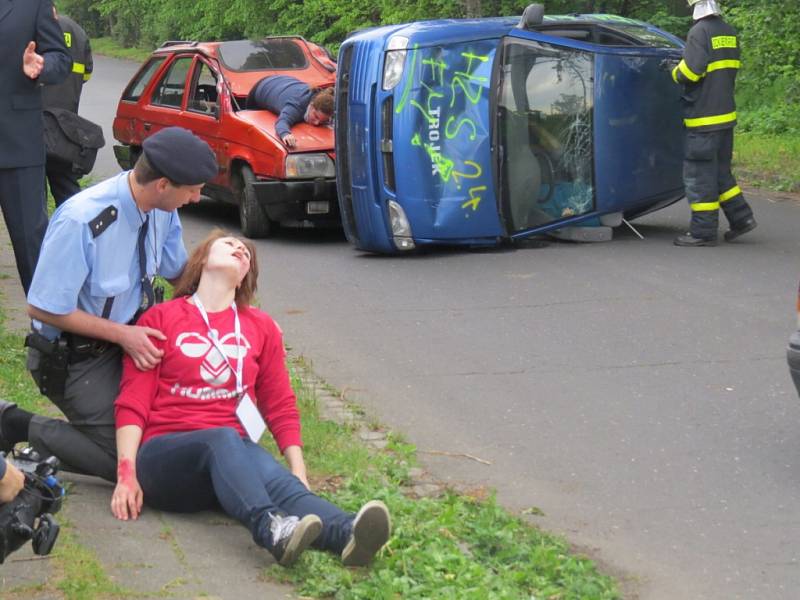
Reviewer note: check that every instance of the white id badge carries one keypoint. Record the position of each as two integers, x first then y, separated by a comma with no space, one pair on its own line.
250,418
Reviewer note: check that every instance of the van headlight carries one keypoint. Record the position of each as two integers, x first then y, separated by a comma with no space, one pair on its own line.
308,166
401,229
394,61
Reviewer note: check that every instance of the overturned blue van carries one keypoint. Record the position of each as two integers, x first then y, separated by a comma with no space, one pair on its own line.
478,131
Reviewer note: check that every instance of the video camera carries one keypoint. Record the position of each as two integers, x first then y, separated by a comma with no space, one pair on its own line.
29,516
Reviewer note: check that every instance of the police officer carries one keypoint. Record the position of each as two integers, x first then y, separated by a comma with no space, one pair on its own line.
708,74
33,53
100,254
67,95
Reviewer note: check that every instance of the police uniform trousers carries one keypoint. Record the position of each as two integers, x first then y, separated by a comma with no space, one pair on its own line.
22,200
87,442
710,184
62,179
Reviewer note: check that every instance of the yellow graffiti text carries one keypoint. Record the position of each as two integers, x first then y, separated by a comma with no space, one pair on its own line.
474,197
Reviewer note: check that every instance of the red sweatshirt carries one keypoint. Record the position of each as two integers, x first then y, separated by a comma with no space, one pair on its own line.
193,388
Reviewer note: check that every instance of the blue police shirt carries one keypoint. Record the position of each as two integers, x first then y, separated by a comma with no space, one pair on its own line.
79,271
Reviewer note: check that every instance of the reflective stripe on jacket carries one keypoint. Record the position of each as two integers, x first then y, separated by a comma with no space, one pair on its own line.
67,95
707,71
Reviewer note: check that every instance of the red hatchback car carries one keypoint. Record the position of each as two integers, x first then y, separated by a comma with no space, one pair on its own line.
203,87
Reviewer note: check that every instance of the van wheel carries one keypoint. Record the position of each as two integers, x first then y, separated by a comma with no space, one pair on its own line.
253,218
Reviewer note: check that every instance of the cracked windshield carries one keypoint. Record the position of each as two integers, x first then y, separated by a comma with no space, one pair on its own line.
545,130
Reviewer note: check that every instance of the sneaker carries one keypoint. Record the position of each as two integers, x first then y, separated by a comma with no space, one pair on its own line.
748,225
371,530
690,241
291,536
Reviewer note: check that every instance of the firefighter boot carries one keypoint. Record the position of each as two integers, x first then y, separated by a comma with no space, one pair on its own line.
688,239
748,225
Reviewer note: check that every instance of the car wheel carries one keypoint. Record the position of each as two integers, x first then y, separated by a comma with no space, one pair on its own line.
252,216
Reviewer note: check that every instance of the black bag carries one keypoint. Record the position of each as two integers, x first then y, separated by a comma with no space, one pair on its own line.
72,139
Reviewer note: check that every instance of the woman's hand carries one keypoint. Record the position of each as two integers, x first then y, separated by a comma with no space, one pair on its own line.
126,502
301,475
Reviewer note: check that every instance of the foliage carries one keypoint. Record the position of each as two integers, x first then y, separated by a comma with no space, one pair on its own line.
770,38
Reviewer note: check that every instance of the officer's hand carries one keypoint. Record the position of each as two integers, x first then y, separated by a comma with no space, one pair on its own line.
290,140
137,344
11,483
32,63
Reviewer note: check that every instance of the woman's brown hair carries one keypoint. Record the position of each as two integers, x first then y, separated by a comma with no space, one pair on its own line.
323,101
190,279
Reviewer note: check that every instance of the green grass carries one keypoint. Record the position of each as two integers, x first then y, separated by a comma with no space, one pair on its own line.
107,46
770,161
81,573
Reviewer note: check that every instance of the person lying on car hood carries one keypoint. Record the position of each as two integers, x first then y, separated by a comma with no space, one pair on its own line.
293,101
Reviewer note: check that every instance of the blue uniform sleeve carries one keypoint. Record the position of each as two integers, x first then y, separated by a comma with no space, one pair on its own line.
173,252
63,266
50,44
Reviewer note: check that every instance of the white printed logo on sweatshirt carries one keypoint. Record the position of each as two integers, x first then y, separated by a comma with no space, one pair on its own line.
214,368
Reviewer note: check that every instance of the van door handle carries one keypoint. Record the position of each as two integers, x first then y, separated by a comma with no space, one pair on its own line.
147,126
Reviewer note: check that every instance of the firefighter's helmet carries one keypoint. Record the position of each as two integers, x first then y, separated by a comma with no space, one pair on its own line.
704,8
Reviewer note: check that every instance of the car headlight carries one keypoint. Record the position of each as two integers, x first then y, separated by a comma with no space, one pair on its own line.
308,166
395,61
401,228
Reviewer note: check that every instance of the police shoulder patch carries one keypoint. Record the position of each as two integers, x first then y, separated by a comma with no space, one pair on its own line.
102,221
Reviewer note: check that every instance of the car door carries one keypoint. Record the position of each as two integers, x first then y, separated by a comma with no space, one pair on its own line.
167,106
204,111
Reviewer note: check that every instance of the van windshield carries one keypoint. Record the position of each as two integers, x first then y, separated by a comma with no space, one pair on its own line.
544,128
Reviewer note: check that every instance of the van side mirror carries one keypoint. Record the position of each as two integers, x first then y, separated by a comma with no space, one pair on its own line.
532,17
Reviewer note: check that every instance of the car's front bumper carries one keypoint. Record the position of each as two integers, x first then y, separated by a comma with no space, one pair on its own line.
313,201
793,358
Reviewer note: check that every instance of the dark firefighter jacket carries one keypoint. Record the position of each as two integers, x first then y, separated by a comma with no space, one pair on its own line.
67,94
708,72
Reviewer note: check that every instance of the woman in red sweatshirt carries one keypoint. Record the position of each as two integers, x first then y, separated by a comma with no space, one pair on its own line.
184,428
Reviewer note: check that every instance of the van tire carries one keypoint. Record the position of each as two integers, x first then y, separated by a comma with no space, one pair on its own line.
253,218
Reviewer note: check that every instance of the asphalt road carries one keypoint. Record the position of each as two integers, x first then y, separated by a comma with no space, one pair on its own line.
635,392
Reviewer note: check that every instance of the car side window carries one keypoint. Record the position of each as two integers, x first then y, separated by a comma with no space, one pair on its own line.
203,96
136,87
169,91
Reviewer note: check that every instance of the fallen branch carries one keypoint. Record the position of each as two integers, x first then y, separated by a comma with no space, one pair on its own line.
456,455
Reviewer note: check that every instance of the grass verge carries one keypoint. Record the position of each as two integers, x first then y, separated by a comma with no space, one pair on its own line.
459,546
770,161
107,46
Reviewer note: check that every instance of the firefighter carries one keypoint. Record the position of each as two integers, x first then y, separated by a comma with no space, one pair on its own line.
67,95
707,72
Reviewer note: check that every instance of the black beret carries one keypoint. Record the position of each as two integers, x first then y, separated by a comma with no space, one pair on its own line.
180,156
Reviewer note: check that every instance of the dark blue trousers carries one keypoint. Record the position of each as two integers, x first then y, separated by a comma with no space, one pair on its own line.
22,200
213,468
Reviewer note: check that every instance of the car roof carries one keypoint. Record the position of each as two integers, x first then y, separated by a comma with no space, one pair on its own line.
313,72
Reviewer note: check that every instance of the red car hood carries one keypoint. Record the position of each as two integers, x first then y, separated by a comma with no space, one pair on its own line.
309,137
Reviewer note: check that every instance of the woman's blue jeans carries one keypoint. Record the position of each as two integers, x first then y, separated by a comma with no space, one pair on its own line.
212,468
